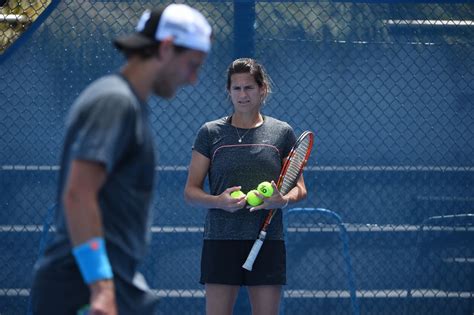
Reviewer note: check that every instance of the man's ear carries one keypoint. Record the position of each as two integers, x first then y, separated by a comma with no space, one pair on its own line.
165,48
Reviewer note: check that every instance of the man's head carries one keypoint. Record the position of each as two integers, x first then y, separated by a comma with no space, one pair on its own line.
186,26
173,42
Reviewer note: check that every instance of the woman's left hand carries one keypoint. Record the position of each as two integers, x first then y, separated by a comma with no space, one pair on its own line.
277,200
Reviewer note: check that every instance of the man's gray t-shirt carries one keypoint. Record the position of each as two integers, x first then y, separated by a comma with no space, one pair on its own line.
256,159
107,124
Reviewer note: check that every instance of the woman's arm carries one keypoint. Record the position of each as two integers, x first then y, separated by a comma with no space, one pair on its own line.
195,195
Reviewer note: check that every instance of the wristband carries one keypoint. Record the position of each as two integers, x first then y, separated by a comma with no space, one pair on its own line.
92,260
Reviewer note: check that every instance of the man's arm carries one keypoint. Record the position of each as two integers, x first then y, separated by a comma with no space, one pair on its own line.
83,218
81,200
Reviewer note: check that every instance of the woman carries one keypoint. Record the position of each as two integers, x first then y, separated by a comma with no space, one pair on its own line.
237,153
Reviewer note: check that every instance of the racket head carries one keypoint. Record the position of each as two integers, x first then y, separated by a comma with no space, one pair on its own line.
295,162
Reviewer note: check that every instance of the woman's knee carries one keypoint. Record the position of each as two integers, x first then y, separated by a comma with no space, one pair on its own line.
220,298
265,299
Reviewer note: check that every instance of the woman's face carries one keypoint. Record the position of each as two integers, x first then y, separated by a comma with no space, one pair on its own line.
245,94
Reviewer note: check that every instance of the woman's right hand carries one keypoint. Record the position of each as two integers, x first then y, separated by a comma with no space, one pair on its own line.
229,203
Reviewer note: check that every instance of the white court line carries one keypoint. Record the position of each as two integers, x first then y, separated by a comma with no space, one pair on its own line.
366,228
329,168
459,260
154,229
316,294
430,22
30,168
391,168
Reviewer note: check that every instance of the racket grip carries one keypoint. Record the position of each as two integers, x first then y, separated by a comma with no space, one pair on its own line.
83,310
254,251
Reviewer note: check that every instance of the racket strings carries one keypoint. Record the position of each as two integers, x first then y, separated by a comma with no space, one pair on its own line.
296,163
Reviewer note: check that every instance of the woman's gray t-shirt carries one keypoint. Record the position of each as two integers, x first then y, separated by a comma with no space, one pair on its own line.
256,159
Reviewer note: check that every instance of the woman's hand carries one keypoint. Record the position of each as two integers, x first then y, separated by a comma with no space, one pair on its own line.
277,200
229,203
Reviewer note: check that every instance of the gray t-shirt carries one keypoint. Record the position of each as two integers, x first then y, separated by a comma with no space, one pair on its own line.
256,159
107,124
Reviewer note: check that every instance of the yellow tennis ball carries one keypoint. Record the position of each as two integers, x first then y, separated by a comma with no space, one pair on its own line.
252,198
237,194
265,188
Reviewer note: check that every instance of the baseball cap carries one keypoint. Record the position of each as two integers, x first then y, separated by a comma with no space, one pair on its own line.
187,26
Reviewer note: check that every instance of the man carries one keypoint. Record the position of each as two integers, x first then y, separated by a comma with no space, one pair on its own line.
107,171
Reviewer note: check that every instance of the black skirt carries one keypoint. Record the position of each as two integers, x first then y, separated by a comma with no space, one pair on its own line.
222,260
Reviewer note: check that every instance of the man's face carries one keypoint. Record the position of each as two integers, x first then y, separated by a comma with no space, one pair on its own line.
178,70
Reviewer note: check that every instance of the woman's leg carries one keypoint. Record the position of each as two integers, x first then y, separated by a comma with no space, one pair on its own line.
220,298
265,299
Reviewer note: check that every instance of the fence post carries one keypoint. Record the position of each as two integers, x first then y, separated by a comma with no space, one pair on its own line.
244,30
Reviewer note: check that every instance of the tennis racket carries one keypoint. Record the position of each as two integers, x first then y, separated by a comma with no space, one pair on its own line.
289,175
84,310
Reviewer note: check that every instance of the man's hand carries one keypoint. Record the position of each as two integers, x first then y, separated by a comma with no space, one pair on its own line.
103,298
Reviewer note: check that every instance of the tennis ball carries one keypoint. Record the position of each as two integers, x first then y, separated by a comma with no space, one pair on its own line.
265,188
237,194
252,198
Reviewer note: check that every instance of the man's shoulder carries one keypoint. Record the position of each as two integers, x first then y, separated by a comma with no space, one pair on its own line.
108,89
108,84
108,95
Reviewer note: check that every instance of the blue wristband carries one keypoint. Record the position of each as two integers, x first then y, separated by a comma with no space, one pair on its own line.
92,260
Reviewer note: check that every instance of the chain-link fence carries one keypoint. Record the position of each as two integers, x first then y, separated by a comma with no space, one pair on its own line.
386,87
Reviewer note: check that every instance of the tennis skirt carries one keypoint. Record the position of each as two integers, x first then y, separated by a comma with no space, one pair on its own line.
222,260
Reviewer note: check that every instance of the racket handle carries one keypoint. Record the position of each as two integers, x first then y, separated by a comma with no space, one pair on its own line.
83,310
254,251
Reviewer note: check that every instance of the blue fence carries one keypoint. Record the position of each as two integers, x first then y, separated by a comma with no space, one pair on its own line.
387,87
